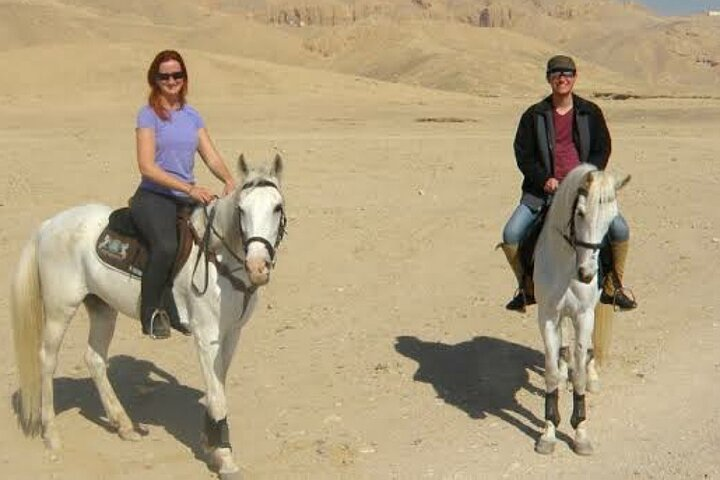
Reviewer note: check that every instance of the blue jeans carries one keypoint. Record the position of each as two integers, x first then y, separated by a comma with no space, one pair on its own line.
518,226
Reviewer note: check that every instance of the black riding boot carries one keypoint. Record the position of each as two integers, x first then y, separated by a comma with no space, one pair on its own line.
155,323
172,311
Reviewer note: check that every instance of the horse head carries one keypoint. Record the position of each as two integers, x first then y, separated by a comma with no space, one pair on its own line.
595,207
261,216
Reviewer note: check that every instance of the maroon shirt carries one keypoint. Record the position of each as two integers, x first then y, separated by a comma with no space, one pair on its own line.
566,155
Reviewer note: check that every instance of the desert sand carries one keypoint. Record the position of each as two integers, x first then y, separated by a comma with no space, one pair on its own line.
380,348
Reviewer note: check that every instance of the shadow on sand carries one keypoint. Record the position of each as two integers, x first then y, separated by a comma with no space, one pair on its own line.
481,377
150,395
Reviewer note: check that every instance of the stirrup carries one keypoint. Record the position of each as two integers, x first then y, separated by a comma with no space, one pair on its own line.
519,301
163,325
617,306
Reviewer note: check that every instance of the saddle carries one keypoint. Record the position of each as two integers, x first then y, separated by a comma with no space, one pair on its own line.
121,247
526,250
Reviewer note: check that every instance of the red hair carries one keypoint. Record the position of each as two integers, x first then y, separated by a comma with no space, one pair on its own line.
154,99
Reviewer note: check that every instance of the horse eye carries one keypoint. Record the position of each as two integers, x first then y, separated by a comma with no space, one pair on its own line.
278,208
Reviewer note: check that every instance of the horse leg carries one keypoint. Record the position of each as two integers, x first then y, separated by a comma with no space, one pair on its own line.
551,338
565,361
227,351
232,336
217,434
583,338
102,327
57,319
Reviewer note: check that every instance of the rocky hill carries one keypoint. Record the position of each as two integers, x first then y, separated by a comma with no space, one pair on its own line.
485,47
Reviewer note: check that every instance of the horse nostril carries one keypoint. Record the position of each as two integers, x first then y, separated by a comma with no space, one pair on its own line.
584,277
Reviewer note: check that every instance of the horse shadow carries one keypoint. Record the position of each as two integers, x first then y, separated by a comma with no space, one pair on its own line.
149,394
480,377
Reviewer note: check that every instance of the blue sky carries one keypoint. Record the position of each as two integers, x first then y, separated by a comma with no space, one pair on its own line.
681,7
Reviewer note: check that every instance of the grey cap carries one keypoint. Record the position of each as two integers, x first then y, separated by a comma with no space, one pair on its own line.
560,63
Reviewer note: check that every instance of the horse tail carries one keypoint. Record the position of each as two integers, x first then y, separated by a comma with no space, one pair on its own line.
602,333
28,322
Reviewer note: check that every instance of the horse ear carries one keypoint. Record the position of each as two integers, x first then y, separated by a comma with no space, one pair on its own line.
581,205
620,183
277,166
242,165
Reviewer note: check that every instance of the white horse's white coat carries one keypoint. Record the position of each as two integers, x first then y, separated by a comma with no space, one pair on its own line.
566,285
59,270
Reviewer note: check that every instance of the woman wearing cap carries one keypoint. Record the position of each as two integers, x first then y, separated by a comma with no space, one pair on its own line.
169,132
553,137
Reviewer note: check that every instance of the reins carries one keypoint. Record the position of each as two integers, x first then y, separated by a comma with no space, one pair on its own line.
281,228
210,256
571,239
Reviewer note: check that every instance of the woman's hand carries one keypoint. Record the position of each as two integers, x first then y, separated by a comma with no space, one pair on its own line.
200,194
229,187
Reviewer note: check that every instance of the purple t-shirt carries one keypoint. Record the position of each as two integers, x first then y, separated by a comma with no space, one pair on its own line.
176,141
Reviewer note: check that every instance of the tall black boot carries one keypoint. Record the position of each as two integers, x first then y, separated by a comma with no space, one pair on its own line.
168,302
154,320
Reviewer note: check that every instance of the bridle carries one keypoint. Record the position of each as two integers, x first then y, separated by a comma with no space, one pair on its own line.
281,227
571,238
210,256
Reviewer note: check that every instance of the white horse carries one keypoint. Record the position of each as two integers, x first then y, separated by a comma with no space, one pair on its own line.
59,269
566,285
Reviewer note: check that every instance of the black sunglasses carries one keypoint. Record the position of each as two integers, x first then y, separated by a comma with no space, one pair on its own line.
561,73
168,76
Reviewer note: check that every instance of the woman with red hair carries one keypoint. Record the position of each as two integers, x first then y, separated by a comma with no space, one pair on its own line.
169,132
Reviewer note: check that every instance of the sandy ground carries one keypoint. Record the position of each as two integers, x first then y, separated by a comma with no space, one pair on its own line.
381,348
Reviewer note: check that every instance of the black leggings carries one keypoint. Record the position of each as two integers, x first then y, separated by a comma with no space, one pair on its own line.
154,215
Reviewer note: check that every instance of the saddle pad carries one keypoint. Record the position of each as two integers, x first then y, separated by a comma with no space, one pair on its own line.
121,222
129,254
121,252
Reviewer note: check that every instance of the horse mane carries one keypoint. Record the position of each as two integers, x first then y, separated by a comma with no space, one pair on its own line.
599,186
259,174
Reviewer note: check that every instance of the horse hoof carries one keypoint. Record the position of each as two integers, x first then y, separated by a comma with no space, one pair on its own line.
544,446
584,448
222,462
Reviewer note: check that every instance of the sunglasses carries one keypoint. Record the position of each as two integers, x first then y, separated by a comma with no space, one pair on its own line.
555,74
164,77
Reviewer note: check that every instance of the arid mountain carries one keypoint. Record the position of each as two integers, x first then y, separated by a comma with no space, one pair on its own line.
484,47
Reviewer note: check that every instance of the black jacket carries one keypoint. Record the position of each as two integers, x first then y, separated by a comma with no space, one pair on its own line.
535,144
